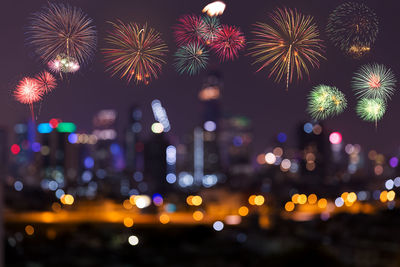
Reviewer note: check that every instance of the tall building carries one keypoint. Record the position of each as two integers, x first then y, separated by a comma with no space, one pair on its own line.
206,147
133,151
314,147
155,164
58,157
236,139
108,154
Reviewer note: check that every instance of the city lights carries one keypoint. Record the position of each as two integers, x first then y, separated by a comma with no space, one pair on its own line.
171,155
29,230
335,138
160,115
197,200
128,222
210,126
289,206
164,218
141,201
67,199
157,200
44,128
66,127
15,149
133,240
185,179
258,200
270,158
157,128
198,215
308,127
243,211
218,226
322,203
233,219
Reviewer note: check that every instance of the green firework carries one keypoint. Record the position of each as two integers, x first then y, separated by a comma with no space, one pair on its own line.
211,29
191,58
325,101
371,109
374,81
338,100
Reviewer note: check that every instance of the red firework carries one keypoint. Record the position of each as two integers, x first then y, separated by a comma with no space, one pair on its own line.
228,43
46,81
189,29
28,91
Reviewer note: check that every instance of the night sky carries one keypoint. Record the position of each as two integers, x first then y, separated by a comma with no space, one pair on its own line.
267,104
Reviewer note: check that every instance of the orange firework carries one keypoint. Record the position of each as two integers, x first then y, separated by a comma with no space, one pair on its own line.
290,45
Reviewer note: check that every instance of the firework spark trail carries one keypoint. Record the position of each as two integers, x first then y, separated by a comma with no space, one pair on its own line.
28,92
212,27
46,81
230,40
60,29
289,45
325,101
353,27
135,52
374,81
371,109
189,30
191,58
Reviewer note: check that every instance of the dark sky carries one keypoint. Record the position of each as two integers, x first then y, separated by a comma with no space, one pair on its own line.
252,94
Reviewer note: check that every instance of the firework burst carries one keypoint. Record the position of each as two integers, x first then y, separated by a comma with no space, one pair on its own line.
371,109
289,46
63,63
230,40
353,28
46,81
59,29
215,8
325,101
339,102
211,29
28,92
374,81
191,58
136,52
189,29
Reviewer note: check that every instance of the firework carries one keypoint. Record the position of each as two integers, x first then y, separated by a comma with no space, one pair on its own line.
371,109
353,28
215,8
325,101
338,100
211,29
136,52
46,81
63,63
189,29
28,92
290,45
228,43
62,30
191,58
374,81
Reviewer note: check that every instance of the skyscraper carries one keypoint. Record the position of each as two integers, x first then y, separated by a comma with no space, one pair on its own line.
209,96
